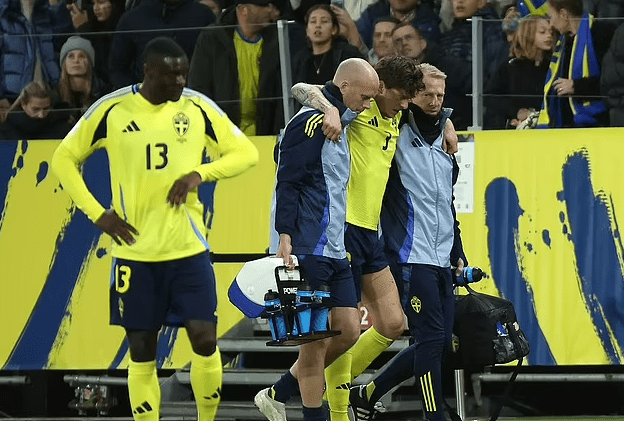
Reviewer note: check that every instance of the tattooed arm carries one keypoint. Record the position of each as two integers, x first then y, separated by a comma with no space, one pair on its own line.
311,96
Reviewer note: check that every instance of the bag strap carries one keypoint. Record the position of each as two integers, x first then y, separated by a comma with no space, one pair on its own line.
507,390
452,413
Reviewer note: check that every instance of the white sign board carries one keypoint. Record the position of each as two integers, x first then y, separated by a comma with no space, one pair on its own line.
464,188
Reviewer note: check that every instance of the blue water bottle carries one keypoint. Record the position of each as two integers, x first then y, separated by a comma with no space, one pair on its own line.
320,309
469,275
303,310
273,308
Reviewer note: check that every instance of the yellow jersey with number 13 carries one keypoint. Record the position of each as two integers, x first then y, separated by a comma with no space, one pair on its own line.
149,147
372,140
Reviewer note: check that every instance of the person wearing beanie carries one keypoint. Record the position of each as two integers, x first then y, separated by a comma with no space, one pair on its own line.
78,86
77,43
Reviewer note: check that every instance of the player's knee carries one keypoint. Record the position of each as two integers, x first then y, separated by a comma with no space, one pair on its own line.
391,325
203,343
204,346
348,336
142,345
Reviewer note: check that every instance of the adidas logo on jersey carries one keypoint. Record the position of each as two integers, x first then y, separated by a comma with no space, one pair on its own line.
374,122
131,127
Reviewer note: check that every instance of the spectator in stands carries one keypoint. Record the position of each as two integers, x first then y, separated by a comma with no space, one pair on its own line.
606,9
612,78
30,116
511,21
415,11
518,85
213,5
409,42
237,65
79,87
103,20
27,49
458,43
355,8
173,17
382,39
573,80
318,63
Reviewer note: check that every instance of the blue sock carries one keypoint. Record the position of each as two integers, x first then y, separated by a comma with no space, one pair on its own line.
314,414
284,388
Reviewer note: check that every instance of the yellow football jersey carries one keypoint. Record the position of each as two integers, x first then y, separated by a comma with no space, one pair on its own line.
149,147
372,139
248,55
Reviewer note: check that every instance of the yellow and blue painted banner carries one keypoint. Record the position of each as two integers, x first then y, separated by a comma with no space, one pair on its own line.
55,264
544,227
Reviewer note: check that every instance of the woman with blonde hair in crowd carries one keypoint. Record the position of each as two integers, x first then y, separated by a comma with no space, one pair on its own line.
517,87
31,116
78,87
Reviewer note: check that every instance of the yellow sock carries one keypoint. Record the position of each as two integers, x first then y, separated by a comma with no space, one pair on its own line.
206,378
370,388
338,380
369,346
144,391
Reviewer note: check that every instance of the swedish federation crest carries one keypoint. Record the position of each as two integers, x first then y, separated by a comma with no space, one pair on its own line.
416,304
181,125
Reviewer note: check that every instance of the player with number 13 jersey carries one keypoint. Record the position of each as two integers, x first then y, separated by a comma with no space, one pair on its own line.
150,146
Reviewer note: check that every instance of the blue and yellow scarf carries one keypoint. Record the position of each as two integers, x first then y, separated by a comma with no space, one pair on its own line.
583,63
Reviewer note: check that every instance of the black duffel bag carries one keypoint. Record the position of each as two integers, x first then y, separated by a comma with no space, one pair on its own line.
486,331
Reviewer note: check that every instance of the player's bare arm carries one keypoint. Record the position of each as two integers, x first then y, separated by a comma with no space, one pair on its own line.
311,96
179,190
116,227
450,138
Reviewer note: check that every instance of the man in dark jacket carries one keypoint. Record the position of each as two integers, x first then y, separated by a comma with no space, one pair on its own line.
419,13
172,16
612,78
409,42
237,65
457,43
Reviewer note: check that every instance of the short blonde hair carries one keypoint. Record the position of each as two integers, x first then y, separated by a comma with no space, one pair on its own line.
431,70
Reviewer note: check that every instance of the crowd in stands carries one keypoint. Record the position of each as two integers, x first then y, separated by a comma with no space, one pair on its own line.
555,63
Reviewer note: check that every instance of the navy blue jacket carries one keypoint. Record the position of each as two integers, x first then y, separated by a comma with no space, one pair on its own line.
425,20
126,56
312,176
21,39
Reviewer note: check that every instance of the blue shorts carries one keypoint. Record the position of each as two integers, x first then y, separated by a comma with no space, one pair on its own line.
147,295
366,248
335,273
